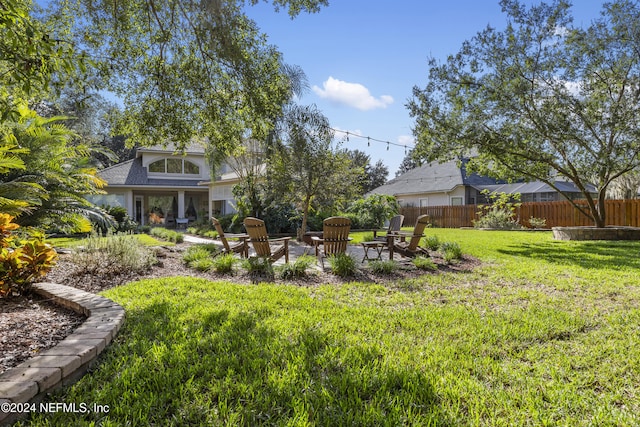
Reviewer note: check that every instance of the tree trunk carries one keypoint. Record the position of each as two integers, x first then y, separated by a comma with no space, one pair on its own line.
305,214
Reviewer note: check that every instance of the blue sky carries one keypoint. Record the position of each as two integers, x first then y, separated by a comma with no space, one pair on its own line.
363,57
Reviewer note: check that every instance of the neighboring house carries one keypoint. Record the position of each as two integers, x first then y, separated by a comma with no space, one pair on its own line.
161,187
448,184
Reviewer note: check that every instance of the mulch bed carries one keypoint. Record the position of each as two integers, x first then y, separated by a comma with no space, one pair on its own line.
30,324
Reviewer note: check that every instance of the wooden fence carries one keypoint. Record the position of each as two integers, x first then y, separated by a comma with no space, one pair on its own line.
557,214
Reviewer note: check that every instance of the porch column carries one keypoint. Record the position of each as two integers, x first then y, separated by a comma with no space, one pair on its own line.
128,202
210,199
181,204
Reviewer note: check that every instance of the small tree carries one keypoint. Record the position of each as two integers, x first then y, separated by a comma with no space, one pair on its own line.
375,209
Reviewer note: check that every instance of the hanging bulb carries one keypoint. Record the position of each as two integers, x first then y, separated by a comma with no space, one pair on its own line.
347,136
387,145
368,142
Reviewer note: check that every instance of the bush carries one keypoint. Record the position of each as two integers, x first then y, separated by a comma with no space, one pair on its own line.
499,214
383,267
537,222
431,242
343,265
202,264
450,251
22,260
424,263
194,253
168,235
374,210
113,255
298,268
356,220
124,223
258,268
281,219
224,263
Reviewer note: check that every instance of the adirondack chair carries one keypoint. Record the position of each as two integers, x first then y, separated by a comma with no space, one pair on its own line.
239,247
397,242
335,236
273,249
394,227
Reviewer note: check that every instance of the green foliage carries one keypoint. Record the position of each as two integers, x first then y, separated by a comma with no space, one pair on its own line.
343,265
499,214
431,242
166,234
537,222
259,268
202,264
424,263
113,254
23,259
383,267
54,177
451,251
532,100
374,210
224,263
296,269
124,223
195,252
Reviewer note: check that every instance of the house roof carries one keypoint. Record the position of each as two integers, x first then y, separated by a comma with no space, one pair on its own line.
433,178
132,173
535,187
193,148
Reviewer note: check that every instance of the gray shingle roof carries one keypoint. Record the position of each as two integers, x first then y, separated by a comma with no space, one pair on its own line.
433,178
132,173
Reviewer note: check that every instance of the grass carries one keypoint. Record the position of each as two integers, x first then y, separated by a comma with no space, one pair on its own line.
72,242
545,333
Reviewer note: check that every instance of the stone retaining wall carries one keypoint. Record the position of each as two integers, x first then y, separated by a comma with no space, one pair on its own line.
68,361
594,233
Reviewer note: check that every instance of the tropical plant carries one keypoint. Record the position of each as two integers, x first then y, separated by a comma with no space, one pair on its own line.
224,263
259,268
298,268
23,259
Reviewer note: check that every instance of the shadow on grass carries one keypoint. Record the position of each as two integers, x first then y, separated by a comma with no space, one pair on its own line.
237,368
589,254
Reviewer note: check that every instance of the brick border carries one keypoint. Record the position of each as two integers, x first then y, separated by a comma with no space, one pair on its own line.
69,360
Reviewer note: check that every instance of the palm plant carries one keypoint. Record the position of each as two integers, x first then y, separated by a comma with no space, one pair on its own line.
47,178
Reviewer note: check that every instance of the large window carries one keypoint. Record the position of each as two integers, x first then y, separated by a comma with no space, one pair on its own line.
174,166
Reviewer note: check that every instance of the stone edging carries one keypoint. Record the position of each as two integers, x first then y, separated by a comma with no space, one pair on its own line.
68,361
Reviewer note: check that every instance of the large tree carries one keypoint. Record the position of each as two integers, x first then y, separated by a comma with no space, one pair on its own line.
540,99
370,176
184,70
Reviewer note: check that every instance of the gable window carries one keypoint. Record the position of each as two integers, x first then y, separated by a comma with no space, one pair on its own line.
456,201
174,166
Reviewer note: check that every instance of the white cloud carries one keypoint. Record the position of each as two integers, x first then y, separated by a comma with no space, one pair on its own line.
407,140
351,94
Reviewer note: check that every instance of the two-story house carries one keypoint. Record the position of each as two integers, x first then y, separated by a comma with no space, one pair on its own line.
160,186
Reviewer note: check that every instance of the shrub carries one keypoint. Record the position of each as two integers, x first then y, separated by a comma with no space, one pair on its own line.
431,242
224,263
374,210
22,260
424,263
383,267
499,214
168,235
450,251
211,234
343,265
113,254
258,268
124,223
202,264
194,253
537,222
298,268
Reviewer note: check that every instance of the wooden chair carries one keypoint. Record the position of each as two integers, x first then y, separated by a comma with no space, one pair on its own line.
262,244
335,236
239,247
394,228
397,242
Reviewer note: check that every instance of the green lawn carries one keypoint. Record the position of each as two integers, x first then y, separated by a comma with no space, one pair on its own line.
545,333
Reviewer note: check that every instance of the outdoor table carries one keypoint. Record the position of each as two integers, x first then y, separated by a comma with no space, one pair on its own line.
378,246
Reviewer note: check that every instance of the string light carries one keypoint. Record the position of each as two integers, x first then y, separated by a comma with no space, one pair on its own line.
369,139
